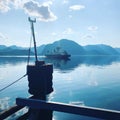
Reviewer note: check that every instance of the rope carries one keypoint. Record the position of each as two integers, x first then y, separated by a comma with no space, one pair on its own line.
12,83
28,60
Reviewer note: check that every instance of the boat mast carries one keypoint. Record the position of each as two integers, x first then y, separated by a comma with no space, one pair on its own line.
33,35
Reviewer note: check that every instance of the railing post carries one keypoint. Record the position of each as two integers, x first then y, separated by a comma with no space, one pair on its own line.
40,84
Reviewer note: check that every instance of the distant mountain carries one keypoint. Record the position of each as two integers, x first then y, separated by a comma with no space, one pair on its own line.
70,46
75,49
40,49
2,47
100,49
117,49
16,47
13,50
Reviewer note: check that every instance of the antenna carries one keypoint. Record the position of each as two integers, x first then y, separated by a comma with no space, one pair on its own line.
33,35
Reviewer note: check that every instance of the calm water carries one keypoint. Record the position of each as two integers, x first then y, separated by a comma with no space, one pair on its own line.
86,80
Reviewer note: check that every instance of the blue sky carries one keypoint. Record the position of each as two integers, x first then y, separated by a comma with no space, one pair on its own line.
84,21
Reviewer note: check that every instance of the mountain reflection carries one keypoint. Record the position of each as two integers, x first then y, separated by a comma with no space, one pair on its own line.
76,61
12,60
62,64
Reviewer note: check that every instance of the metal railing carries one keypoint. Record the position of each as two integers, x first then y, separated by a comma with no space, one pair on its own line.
61,107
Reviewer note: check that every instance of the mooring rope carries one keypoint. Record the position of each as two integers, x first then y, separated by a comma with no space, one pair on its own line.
28,60
12,83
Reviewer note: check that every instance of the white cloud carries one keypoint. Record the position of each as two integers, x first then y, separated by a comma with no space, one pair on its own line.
47,3
54,33
87,36
65,1
18,3
2,37
4,5
92,28
68,31
40,11
77,7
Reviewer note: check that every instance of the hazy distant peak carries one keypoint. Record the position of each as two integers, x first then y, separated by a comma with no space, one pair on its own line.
70,46
2,46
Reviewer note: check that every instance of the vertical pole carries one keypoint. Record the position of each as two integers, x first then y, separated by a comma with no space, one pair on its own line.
33,34
40,80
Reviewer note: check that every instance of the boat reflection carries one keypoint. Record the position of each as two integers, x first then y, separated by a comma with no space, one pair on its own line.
75,61
58,63
65,64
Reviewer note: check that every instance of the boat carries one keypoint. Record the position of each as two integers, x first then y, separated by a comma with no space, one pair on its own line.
57,53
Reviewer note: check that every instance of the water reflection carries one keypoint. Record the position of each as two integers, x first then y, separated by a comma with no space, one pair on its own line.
87,88
62,64
76,61
59,63
4,103
13,60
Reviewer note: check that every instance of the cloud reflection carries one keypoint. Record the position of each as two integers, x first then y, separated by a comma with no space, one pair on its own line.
4,103
79,103
93,83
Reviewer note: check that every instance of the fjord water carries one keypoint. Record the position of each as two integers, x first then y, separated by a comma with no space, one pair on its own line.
83,80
